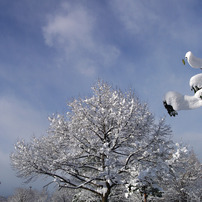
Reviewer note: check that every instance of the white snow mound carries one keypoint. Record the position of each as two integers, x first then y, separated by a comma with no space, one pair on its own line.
196,80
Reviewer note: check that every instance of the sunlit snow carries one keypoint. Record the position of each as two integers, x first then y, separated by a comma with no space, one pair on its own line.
182,102
174,101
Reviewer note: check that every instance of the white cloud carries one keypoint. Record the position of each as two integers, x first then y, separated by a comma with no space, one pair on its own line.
72,32
72,28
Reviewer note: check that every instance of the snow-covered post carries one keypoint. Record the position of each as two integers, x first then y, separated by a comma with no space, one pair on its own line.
174,101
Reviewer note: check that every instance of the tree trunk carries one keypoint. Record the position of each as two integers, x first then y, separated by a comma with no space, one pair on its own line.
145,197
106,195
105,198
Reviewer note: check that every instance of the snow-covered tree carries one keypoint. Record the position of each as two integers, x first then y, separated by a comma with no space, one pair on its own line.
85,196
185,183
23,195
3,199
63,195
182,183
147,178
98,145
28,195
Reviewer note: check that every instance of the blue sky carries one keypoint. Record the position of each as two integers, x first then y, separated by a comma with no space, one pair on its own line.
52,51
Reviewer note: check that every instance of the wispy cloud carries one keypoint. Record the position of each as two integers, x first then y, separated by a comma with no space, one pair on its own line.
153,20
71,27
137,17
72,31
